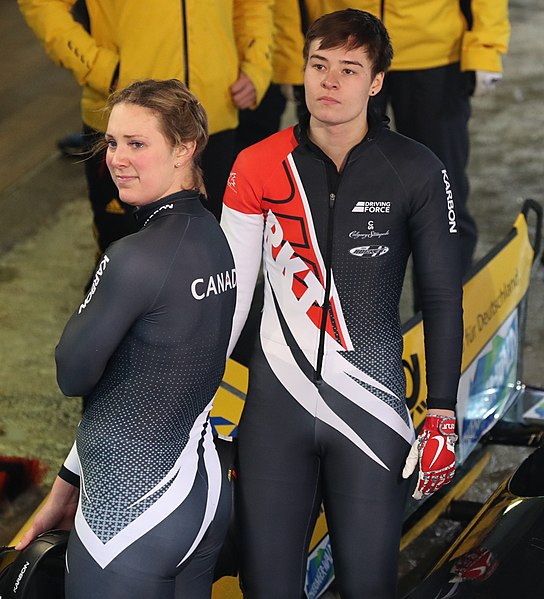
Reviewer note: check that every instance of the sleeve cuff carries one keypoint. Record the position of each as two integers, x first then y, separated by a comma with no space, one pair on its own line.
479,58
69,476
439,403
103,71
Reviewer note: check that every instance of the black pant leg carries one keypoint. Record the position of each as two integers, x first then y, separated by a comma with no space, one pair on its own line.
364,501
277,489
256,125
217,161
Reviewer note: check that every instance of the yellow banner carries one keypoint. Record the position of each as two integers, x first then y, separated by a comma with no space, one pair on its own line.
488,298
492,294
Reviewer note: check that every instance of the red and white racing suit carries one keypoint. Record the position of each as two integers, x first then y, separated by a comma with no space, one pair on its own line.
326,416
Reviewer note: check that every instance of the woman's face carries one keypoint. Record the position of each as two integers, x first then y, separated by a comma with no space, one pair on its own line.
338,83
141,161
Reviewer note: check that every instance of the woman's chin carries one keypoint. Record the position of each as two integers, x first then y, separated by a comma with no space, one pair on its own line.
127,198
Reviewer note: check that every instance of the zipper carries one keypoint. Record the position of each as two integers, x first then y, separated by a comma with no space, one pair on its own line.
333,181
326,303
185,41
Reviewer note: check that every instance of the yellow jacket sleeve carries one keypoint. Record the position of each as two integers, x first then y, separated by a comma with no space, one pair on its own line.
288,43
253,30
68,44
484,45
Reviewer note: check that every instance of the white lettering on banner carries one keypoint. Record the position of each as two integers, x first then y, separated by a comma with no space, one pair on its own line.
214,284
290,264
449,198
324,573
487,315
99,272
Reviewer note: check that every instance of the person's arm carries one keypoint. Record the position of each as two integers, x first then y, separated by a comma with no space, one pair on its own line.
485,43
69,45
70,471
288,43
121,290
437,266
58,512
243,224
253,31
436,250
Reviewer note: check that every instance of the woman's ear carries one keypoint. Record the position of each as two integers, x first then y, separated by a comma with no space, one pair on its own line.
183,153
377,83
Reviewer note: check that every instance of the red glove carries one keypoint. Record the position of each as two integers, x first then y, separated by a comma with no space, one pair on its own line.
434,451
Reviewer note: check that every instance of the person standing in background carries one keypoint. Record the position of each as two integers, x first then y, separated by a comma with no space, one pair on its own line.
290,24
221,49
445,51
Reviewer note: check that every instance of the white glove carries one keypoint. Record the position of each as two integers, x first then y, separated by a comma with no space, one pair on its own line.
485,82
434,452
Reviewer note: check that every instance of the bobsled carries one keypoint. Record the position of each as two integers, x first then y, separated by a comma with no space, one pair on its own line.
500,554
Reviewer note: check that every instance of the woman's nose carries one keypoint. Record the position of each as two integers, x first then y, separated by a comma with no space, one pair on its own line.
118,157
330,81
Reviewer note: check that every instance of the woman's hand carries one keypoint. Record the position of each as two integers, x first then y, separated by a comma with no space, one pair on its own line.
433,453
243,92
58,512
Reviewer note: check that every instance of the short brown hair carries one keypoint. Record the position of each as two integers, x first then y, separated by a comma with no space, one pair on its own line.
352,28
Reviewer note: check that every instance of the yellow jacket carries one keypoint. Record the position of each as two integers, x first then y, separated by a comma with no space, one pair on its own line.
288,43
202,42
433,33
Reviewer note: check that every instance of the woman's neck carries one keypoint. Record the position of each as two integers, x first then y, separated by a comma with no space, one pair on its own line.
336,141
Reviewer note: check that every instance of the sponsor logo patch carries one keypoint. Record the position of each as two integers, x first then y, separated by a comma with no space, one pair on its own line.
449,199
96,280
379,207
368,235
20,577
232,180
372,251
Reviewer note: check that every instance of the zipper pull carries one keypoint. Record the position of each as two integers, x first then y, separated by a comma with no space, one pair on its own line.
332,199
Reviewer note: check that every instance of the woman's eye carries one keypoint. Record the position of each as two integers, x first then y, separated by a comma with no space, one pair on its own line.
136,144
111,143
